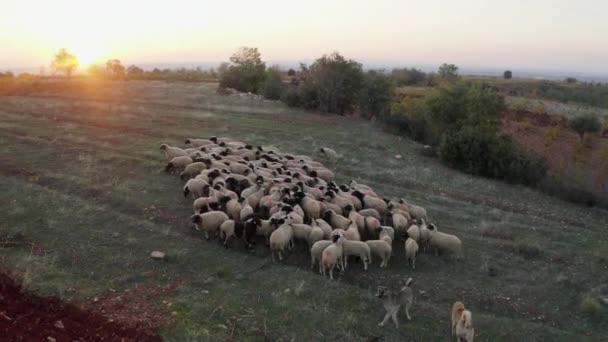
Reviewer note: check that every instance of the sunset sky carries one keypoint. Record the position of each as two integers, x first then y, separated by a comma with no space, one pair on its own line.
532,34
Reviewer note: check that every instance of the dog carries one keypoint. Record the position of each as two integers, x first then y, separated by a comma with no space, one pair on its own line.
393,302
462,323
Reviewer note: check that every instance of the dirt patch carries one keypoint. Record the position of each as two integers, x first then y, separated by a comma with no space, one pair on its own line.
24,317
134,308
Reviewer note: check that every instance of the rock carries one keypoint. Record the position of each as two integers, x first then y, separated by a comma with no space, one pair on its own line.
157,255
59,325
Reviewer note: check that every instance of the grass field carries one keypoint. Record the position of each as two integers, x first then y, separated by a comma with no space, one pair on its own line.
84,200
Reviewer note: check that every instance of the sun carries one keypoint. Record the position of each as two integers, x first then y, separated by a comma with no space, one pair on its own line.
87,56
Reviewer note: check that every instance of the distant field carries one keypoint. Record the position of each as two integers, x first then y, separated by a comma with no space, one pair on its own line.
84,200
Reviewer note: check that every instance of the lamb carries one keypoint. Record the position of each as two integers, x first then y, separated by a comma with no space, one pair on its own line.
411,249
357,248
445,242
178,163
209,222
192,170
462,323
196,187
172,152
329,153
316,251
336,220
281,238
332,255
382,249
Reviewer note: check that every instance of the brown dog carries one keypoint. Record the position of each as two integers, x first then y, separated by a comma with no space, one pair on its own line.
393,302
462,323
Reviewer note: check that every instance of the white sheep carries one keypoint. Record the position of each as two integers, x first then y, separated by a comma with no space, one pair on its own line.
413,232
387,234
196,187
370,212
281,238
192,170
382,249
329,153
400,224
333,255
316,251
325,227
445,242
301,231
336,220
357,248
352,232
411,249
178,163
172,152
209,222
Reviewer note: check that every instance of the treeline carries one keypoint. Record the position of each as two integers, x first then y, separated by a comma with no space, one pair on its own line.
113,69
569,90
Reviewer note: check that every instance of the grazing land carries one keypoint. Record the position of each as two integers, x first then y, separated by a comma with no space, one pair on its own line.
84,200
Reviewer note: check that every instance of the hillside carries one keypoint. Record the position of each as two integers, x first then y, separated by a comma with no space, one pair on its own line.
83,182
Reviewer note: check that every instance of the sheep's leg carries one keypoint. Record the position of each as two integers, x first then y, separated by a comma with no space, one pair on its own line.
365,264
312,264
280,256
331,272
414,263
207,236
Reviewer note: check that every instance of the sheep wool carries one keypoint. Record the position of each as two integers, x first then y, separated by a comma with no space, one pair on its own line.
411,249
382,249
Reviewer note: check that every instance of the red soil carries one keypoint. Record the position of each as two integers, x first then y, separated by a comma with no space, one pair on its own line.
585,164
24,317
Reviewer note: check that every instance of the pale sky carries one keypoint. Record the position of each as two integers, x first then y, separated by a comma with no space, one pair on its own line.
539,34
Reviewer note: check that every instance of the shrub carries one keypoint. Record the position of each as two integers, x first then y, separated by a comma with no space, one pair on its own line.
480,151
448,71
406,77
552,134
590,306
587,123
529,250
291,97
507,74
246,71
410,116
272,88
376,96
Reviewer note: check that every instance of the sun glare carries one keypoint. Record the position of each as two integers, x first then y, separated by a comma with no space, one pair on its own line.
87,56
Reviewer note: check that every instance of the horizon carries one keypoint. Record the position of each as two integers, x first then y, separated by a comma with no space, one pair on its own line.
474,34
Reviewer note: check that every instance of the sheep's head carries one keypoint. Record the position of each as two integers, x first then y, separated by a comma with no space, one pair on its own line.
163,146
187,142
313,173
203,149
222,144
348,208
259,180
249,147
214,206
213,139
358,194
432,227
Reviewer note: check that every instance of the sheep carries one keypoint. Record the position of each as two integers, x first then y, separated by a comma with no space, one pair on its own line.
357,248
316,252
316,234
301,231
352,233
201,204
172,152
178,163
371,202
198,142
356,218
372,226
411,249
340,201
281,238
311,207
370,212
382,249
326,205
387,234
425,235
230,229
329,153
196,187
400,224
325,227
239,168
246,211
445,242
320,172
332,255
413,232
209,222
417,212
232,207
192,170
336,220
265,228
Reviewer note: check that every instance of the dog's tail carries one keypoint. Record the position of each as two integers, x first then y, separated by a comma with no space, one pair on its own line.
409,282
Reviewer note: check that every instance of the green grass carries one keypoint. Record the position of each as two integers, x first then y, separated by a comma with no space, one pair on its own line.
84,201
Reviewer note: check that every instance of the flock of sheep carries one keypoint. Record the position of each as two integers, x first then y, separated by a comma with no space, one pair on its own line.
241,193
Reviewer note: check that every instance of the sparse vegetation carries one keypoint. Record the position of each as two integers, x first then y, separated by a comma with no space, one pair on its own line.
552,134
585,124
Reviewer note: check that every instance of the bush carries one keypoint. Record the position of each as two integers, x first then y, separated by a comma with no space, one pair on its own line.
408,77
587,123
291,97
480,151
411,117
246,71
376,96
507,74
590,306
272,88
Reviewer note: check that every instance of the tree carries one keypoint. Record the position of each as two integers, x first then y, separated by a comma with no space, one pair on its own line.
571,80
507,74
221,69
272,88
405,76
332,84
291,72
134,71
376,95
114,68
65,62
246,71
448,71
587,123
